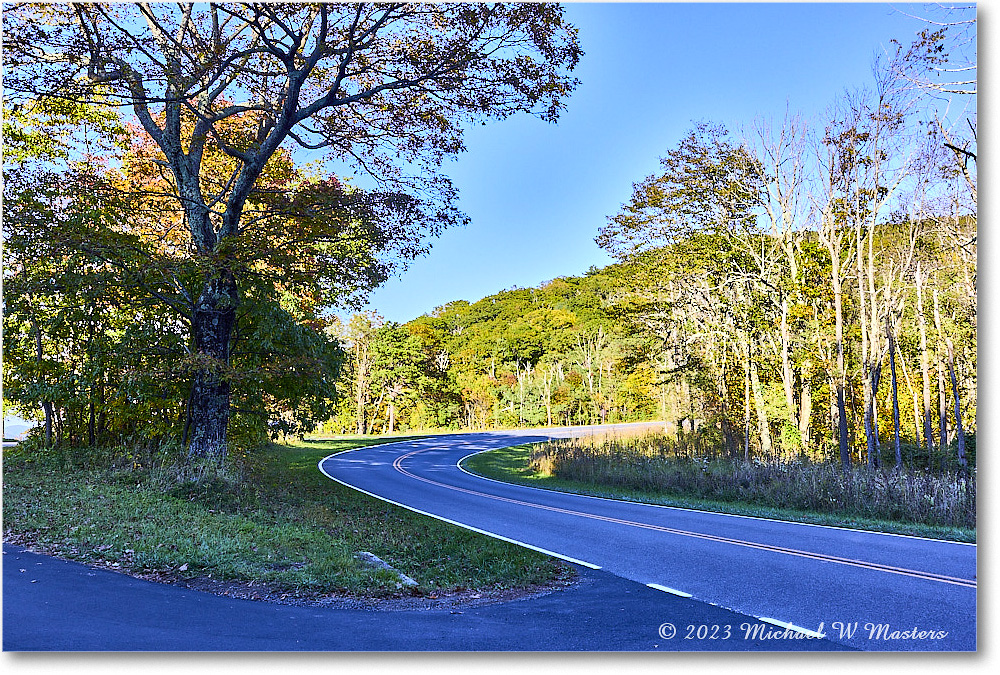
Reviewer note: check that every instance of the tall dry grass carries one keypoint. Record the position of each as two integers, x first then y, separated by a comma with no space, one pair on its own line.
657,464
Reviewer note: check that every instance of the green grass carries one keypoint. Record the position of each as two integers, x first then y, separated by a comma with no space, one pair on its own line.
279,522
513,465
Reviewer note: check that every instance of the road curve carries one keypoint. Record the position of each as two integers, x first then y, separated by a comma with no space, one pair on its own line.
862,590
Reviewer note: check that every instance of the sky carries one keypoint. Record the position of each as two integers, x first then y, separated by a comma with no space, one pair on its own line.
537,193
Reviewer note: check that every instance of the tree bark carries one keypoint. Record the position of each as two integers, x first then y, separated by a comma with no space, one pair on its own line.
844,444
762,423
746,409
942,399
866,347
895,396
924,367
787,376
962,462
374,415
732,448
214,319
942,413
46,405
871,420
805,403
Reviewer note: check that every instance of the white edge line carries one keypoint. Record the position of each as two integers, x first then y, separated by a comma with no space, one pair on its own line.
673,591
683,508
792,626
453,522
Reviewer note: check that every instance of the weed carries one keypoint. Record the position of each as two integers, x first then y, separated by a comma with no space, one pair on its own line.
270,517
651,464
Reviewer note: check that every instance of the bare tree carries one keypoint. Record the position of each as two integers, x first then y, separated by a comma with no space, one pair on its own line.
941,65
780,160
833,235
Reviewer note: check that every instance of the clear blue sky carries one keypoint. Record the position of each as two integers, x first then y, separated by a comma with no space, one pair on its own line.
537,193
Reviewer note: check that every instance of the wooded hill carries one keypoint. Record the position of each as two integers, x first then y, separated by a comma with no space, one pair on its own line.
659,337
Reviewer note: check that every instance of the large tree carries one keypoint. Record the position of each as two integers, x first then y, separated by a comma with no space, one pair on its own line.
386,88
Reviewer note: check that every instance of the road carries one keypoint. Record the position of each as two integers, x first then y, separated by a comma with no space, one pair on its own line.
861,590
56,605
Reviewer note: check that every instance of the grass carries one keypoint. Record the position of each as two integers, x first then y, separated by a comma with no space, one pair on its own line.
276,522
521,465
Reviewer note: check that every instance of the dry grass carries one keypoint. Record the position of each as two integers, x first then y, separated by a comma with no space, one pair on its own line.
654,463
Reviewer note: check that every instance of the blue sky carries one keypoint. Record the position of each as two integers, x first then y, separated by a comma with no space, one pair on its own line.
537,193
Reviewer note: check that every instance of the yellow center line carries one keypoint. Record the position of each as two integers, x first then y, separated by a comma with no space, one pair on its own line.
930,576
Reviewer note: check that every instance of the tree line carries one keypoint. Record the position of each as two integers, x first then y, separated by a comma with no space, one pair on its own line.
794,288
789,287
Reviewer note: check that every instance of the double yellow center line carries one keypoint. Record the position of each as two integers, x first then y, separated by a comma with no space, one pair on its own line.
930,576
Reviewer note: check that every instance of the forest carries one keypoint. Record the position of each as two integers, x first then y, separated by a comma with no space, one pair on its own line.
795,289
788,288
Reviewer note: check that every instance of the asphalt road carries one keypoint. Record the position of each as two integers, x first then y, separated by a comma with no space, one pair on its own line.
54,605
748,568
861,590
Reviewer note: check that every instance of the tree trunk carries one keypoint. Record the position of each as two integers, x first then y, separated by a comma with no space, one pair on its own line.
924,367
663,392
375,412
942,399
805,403
844,444
871,423
868,313
728,439
958,405
834,426
746,409
214,319
762,423
360,414
47,409
91,419
686,397
942,413
787,376
46,405
895,396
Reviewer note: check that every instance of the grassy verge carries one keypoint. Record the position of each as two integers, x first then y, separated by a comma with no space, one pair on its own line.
513,465
280,524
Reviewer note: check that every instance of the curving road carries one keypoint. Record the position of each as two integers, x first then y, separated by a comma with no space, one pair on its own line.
860,590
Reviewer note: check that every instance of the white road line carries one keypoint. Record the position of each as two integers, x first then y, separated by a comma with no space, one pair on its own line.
673,591
791,626
684,508
455,522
